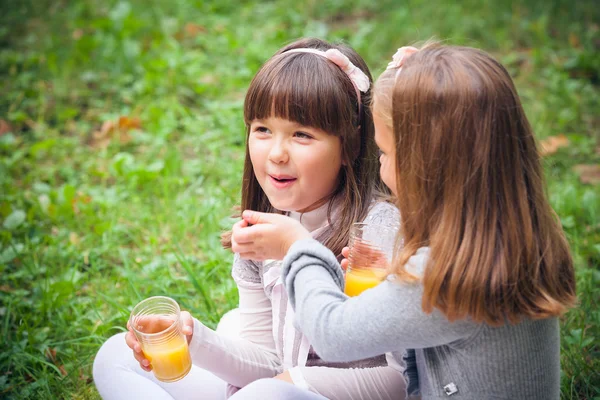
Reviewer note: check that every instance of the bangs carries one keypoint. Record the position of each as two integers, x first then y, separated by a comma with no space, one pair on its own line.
306,89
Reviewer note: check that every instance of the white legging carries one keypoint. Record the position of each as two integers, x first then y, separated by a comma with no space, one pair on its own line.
118,376
274,389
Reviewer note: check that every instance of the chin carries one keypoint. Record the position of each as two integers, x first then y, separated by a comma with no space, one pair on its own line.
282,205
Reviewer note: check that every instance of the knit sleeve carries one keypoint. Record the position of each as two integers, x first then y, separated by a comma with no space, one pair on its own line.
246,273
336,325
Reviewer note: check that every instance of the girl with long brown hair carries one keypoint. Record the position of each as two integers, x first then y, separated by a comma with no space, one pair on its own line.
310,155
485,270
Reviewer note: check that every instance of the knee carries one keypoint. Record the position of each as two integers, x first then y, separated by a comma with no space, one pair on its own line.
268,388
110,355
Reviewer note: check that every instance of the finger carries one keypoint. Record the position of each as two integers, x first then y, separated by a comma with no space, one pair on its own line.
245,235
132,342
344,264
145,364
248,236
243,248
240,224
188,323
346,252
255,217
141,359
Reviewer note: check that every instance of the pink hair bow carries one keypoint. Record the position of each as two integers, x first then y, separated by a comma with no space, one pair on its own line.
401,54
359,79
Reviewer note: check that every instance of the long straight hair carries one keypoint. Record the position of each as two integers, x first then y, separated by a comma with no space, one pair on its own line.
471,187
312,91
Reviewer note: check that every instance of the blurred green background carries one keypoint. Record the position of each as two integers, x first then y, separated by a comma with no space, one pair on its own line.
122,141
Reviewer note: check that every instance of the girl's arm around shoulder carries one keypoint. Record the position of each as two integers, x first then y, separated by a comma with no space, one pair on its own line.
385,318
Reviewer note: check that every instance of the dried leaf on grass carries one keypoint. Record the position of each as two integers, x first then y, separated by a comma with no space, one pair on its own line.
51,355
77,34
588,173
551,144
111,130
190,30
6,288
4,127
74,238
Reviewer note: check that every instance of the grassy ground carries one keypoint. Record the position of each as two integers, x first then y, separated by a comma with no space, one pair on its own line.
121,147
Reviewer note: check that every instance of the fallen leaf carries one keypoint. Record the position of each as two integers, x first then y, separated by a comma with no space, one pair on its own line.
86,378
110,130
4,127
51,354
588,173
101,138
208,79
6,288
574,40
77,34
126,123
74,238
551,144
192,29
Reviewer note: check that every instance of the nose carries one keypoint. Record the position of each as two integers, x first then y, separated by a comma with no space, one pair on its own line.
279,153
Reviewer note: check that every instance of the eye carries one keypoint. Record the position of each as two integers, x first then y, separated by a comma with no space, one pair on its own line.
302,135
261,129
380,153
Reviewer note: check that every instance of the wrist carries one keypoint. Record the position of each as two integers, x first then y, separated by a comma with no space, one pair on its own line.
197,335
296,237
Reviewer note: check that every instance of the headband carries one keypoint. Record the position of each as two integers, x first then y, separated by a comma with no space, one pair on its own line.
398,58
359,79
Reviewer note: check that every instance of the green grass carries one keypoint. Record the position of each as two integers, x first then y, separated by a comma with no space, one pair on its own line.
89,230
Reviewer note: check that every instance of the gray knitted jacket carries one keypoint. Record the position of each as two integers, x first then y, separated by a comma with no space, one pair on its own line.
458,360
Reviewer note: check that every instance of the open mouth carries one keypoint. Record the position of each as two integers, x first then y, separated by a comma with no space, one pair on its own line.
282,180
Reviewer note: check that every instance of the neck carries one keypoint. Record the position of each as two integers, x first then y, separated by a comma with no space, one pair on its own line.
314,218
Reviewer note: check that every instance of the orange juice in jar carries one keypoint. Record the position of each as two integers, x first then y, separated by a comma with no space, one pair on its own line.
371,248
360,279
157,325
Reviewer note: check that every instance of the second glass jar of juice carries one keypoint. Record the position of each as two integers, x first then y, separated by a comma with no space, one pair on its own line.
157,325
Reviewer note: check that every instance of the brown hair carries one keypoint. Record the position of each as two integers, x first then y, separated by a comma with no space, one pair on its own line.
471,187
312,91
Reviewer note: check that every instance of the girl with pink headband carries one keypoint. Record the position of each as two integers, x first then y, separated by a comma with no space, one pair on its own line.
310,155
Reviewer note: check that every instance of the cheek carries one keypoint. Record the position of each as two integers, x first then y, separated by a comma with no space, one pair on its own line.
324,167
387,174
257,154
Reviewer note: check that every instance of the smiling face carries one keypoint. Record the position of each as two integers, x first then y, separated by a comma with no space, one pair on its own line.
296,166
384,137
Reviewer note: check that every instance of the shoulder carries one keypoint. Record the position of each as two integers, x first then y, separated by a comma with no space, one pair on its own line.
383,212
418,262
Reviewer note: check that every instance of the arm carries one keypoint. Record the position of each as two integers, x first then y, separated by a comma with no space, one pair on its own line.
336,325
379,383
252,356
